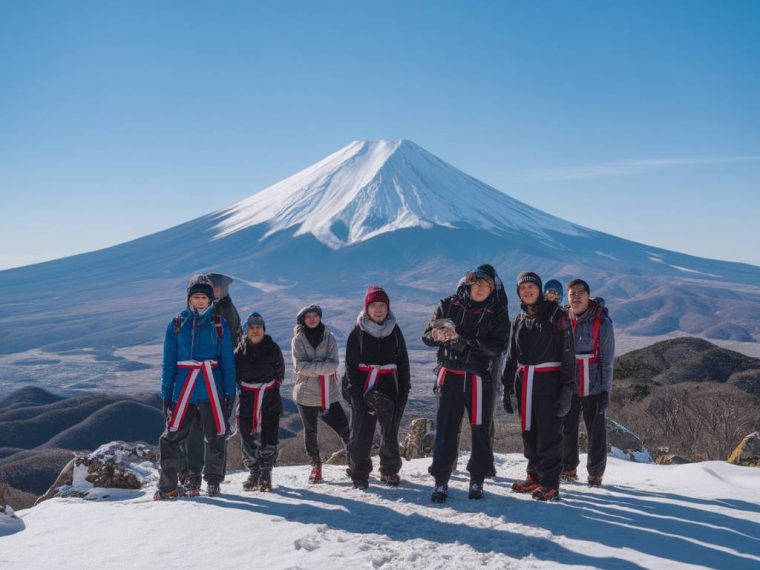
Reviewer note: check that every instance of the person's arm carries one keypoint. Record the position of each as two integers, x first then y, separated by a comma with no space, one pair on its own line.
402,364
227,358
564,329
607,354
169,367
352,363
279,365
427,334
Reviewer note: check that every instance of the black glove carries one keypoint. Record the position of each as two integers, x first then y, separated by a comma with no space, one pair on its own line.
358,405
604,402
563,402
507,402
168,407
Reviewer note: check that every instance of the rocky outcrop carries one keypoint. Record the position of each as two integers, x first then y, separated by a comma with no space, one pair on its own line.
622,443
420,439
747,453
671,459
115,465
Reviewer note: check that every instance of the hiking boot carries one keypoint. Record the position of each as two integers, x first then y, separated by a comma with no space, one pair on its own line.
569,475
164,495
265,481
594,481
390,479
213,489
252,483
361,484
546,494
526,486
316,473
476,490
193,492
440,493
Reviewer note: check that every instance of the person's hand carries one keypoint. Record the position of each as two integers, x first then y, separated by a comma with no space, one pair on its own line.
604,402
563,403
168,407
227,406
507,402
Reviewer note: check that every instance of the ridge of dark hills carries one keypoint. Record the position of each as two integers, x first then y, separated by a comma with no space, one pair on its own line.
685,359
125,420
32,471
28,395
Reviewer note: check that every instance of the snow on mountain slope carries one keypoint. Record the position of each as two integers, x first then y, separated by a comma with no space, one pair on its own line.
702,515
373,187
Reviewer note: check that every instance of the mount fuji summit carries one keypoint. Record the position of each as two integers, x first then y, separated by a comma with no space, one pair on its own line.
386,212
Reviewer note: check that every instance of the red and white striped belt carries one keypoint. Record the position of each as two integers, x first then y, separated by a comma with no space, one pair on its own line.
476,416
374,371
258,388
528,370
195,367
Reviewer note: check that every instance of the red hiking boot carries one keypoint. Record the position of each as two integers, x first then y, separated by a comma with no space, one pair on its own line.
569,475
316,473
526,486
546,494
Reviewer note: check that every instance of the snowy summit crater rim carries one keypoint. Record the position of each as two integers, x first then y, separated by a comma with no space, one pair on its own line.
369,188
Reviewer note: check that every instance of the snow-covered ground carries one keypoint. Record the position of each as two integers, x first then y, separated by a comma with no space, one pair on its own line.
647,516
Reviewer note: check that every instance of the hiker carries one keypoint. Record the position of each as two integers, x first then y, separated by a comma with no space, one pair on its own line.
260,371
553,291
541,370
595,358
469,328
193,449
315,360
377,384
198,381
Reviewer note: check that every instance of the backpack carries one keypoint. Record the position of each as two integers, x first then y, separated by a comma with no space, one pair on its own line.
179,320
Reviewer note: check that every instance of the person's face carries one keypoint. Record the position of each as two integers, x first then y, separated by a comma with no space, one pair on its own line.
311,319
199,301
529,293
480,290
255,333
217,292
552,295
377,311
578,298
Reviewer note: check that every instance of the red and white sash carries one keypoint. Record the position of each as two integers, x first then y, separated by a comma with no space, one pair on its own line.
324,389
258,400
528,371
584,371
195,367
374,371
476,416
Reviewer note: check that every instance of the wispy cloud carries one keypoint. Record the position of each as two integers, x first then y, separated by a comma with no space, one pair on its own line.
624,168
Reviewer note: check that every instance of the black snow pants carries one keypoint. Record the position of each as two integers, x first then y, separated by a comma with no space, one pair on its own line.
596,428
170,456
334,417
362,434
456,396
542,444
260,449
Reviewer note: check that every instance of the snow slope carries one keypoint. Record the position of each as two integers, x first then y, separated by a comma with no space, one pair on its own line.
373,187
649,516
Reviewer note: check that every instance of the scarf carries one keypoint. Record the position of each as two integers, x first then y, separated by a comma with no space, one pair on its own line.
377,330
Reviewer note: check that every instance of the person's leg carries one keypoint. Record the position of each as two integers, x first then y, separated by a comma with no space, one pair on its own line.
360,444
596,428
270,426
549,441
336,418
192,453
390,457
213,470
448,420
169,457
481,463
570,437
249,446
310,417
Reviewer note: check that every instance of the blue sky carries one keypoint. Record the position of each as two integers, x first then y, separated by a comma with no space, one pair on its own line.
118,119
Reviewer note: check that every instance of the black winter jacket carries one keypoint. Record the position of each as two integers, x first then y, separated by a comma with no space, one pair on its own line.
363,348
545,337
227,310
483,330
255,363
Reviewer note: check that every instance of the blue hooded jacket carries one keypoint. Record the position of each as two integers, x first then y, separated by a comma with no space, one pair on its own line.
197,339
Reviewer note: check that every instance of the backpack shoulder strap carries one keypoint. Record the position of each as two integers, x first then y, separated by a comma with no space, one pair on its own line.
597,330
218,326
178,321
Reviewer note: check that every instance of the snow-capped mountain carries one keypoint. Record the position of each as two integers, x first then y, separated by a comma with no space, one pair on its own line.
370,188
385,212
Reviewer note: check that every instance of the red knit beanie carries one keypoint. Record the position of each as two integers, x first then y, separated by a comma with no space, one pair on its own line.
375,293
